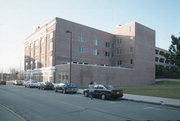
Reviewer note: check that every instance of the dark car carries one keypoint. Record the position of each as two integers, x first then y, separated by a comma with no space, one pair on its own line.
46,85
2,82
66,88
105,92
18,82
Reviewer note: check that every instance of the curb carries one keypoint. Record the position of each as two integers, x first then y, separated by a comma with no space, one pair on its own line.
156,103
142,101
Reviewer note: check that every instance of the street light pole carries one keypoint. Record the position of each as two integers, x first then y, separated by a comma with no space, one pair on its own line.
70,53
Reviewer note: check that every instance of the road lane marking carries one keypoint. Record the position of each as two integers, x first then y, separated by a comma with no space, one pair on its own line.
14,113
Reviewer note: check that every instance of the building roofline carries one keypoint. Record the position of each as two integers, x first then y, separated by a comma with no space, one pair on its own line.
84,25
40,28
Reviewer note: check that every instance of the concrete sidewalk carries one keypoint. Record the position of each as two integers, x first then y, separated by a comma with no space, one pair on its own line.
149,99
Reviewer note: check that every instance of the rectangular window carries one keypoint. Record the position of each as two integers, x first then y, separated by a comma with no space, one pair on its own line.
161,60
50,60
157,51
108,44
51,36
50,46
95,42
81,49
36,43
36,51
161,53
95,52
112,45
119,63
118,51
107,54
131,49
112,55
31,45
118,41
42,62
81,38
131,61
156,59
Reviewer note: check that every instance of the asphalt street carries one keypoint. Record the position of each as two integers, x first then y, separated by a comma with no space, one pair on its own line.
45,105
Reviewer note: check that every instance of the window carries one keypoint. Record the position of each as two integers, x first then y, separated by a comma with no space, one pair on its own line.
42,62
51,36
131,49
167,61
107,54
81,49
112,55
108,44
95,42
161,53
156,59
118,41
36,43
95,52
112,45
119,63
161,60
31,45
81,38
157,51
131,61
118,51
50,60
50,46
36,51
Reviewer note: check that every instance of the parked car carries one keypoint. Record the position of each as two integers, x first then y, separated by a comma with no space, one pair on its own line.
46,85
2,82
31,83
18,82
104,92
66,88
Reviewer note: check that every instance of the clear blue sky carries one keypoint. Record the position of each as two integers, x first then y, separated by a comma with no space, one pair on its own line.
19,18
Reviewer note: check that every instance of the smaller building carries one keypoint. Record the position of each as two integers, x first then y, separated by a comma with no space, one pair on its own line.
160,58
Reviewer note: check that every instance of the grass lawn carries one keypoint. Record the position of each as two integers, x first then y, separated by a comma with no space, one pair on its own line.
166,89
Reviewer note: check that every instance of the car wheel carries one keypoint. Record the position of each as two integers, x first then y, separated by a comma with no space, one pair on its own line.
64,91
103,96
86,94
55,90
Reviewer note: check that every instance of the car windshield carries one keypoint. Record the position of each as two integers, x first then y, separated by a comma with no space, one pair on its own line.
110,87
34,81
70,85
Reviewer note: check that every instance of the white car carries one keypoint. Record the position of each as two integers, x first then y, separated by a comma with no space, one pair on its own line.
31,83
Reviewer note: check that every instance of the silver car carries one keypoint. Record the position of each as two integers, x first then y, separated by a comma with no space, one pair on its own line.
31,83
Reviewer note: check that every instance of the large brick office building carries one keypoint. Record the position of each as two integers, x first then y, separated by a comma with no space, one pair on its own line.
124,57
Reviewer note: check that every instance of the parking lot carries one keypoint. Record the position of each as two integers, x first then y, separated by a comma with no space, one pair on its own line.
45,105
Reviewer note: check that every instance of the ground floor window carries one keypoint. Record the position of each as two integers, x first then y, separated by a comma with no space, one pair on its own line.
63,77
